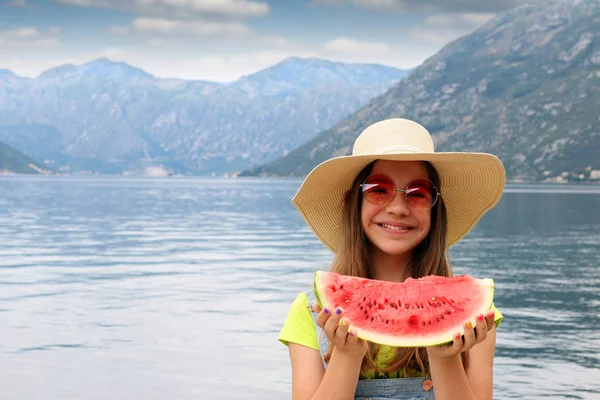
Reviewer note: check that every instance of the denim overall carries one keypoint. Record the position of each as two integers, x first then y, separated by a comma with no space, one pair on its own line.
377,389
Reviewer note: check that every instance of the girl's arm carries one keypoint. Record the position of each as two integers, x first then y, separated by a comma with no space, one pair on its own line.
310,380
450,381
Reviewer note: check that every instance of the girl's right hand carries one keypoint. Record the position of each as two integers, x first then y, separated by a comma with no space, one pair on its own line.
336,329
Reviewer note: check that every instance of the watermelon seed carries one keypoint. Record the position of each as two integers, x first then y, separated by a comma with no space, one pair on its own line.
424,323
369,304
365,298
393,305
372,319
387,321
442,316
341,287
361,308
386,301
437,319
406,305
433,299
439,304
429,322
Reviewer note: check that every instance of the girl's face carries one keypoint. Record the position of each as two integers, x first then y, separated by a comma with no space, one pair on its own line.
395,228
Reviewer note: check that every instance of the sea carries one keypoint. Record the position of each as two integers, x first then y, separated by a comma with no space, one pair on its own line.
176,288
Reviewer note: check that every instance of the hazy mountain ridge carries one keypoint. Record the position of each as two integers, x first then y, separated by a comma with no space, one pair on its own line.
525,87
111,117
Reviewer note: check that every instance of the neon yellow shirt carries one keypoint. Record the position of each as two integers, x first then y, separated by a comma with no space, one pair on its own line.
299,327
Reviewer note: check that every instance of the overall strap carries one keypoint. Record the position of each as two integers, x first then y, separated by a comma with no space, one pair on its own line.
321,336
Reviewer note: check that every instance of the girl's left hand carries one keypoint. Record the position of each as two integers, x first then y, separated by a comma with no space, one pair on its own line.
472,336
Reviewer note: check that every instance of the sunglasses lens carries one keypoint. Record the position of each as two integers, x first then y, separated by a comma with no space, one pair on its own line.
378,189
421,194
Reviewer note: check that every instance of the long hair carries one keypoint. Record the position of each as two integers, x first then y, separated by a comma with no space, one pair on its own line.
430,257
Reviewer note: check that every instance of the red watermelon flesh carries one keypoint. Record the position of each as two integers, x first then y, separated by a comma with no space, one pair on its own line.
414,313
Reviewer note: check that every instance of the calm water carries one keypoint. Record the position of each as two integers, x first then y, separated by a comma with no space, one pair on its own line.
175,288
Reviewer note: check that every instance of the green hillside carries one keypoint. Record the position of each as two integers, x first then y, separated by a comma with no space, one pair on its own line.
14,161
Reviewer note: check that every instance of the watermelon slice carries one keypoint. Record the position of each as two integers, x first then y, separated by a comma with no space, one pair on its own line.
415,313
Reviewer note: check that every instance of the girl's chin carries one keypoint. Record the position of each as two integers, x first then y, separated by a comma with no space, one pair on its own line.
394,249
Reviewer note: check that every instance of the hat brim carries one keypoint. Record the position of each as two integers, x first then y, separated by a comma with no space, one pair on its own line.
471,184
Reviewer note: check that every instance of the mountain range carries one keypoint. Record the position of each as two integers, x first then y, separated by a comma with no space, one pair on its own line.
113,118
525,86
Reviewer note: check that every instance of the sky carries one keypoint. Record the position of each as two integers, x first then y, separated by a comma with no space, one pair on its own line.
222,40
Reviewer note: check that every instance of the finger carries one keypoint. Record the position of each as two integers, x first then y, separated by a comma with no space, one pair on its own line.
314,307
480,329
332,323
469,336
323,317
341,333
352,337
490,317
457,343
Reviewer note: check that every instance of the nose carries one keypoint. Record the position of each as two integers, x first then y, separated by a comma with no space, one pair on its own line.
398,204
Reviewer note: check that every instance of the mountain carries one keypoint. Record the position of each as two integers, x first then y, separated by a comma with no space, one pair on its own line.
12,161
110,117
525,86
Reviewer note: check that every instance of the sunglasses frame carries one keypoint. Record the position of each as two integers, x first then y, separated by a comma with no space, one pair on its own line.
396,189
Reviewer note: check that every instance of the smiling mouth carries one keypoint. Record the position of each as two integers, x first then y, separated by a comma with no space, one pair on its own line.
396,228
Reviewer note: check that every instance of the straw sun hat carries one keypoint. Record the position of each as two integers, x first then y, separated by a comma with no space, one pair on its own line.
471,183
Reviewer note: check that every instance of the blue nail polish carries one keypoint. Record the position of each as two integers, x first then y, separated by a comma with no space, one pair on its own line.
338,311
326,311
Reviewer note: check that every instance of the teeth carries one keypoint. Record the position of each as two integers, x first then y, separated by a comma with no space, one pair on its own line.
395,228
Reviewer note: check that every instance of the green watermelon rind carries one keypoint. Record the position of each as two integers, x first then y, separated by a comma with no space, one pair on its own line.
444,337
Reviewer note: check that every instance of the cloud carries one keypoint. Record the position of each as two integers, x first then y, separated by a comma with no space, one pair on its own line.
181,8
348,46
18,3
174,27
29,38
430,6
164,32
441,28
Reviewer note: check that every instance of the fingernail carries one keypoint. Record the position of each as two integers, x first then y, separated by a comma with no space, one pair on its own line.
491,314
344,323
326,311
338,311
468,325
351,333
481,317
457,336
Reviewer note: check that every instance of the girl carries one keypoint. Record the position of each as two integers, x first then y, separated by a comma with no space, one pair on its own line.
390,211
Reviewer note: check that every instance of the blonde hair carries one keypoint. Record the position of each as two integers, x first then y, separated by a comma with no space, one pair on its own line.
430,258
